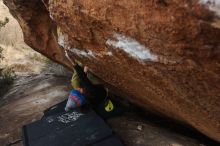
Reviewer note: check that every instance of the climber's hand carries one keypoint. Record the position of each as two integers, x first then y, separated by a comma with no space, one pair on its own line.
68,57
86,69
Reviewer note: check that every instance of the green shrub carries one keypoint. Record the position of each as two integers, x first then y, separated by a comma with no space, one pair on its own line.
7,75
3,23
1,56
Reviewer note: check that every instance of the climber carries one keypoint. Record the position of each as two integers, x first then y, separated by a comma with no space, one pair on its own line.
87,92
82,86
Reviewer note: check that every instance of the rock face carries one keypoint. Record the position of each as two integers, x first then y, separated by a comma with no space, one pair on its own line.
161,54
34,93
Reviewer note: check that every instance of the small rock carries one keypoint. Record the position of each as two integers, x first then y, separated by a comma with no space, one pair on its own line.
140,127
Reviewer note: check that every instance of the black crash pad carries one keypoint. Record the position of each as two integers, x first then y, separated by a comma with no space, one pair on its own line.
75,128
58,108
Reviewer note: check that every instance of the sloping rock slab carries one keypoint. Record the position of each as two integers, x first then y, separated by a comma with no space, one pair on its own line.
161,54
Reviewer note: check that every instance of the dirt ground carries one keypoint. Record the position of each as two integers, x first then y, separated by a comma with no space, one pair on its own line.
133,130
32,94
25,102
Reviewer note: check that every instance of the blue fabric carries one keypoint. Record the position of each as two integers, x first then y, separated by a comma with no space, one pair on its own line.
79,96
70,105
75,99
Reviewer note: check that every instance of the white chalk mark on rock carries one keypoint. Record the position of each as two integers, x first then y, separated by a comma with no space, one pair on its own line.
69,117
213,5
109,54
132,47
61,40
51,17
88,54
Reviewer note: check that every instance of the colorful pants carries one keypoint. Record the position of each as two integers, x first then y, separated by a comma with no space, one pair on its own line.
75,82
70,105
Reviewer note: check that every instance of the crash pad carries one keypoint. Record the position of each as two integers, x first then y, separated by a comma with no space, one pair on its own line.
80,127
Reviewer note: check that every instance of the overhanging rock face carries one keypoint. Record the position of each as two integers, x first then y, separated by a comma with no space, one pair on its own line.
161,54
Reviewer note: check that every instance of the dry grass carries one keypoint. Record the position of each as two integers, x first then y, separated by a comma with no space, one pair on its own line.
17,55
21,58
11,33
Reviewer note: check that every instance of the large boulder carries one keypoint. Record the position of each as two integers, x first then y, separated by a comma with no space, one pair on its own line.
161,54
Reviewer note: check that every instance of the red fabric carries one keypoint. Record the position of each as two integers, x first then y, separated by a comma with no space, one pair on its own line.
75,99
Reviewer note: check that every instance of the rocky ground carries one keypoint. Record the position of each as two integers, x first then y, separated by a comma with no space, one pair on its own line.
162,54
26,100
36,88
31,94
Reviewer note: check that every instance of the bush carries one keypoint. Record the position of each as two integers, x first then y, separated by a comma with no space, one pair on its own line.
7,75
3,23
1,56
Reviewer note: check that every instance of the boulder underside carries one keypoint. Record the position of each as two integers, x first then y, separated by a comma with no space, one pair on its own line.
161,54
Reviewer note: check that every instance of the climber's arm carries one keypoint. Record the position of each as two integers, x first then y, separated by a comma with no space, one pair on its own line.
82,76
